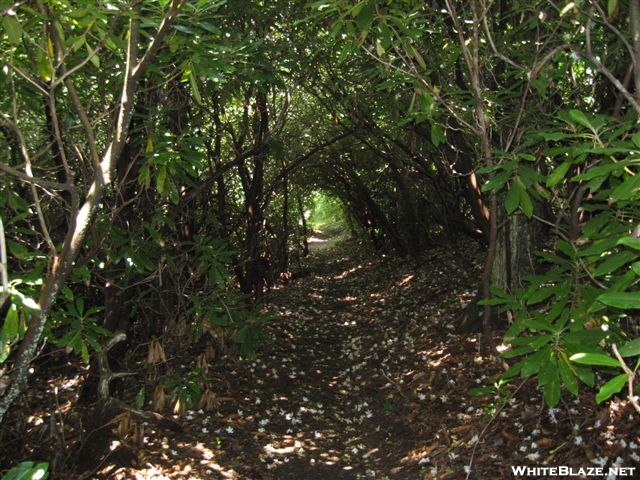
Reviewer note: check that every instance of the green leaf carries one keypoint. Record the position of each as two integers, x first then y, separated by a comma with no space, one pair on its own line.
95,59
10,329
579,117
416,54
558,174
28,471
540,341
635,138
496,182
140,398
604,169
612,6
84,352
195,91
144,177
614,262
535,362
44,68
517,352
625,300
185,29
630,348
437,134
78,43
525,200
552,390
553,136
13,28
548,370
586,375
5,348
79,306
93,341
627,190
492,301
478,391
599,359
599,247
612,387
336,29
528,175
161,180
174,195
631,241
512,199
365,15
539,326
540,294
567,376
584,340
514,370
17,250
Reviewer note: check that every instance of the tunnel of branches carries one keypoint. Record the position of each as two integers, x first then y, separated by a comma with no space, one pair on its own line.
422,124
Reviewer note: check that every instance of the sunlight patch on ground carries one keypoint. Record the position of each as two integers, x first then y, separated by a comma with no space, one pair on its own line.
316,240
348,272
348,298
406,280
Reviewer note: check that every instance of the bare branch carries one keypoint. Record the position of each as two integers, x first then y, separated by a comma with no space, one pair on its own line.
631,374
496,52
24,75
157,41
617,32
430,88
77,104
31,180
589,55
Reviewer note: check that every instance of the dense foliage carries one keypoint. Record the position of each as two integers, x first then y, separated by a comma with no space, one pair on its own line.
159,161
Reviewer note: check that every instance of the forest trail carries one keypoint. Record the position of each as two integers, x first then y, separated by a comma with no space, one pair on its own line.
363,376
356,380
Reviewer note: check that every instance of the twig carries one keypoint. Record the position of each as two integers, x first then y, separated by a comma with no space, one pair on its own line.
486,427
27,168
106,375
31,180
631,374
394,382
589,55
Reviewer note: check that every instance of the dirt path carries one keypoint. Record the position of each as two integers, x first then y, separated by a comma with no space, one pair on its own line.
344,390
364,377
337,373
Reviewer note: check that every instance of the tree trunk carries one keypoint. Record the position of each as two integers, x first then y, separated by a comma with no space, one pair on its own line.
305,229
517,241
283,261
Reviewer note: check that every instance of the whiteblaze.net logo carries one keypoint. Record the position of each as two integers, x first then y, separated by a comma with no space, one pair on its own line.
521,471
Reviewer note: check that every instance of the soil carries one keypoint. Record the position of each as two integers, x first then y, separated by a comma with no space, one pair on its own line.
362,376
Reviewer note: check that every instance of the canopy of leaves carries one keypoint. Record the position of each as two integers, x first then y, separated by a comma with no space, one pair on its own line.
158,161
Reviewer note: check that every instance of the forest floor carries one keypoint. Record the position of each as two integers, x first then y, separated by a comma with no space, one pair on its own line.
365,377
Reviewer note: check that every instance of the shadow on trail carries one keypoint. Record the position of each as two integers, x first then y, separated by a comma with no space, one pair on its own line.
344,385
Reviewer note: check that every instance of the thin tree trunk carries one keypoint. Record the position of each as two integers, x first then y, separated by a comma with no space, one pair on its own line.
82,215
